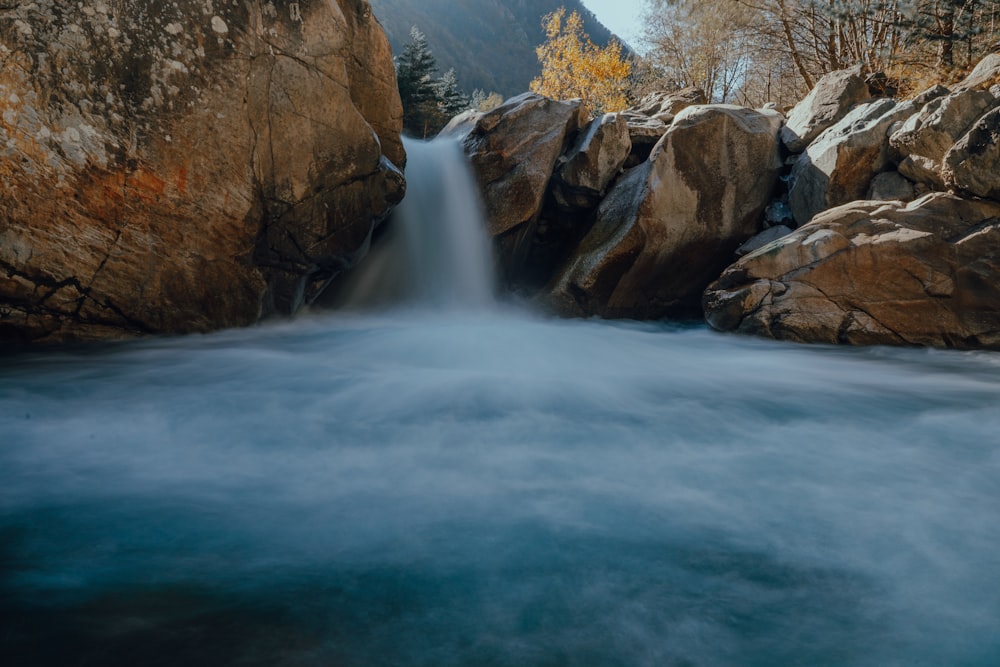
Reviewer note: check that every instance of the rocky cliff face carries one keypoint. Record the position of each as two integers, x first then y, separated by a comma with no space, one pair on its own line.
186,166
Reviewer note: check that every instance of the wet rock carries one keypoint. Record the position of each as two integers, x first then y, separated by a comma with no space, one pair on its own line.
778,214
461,124
830,100
924,273
670,225
197,166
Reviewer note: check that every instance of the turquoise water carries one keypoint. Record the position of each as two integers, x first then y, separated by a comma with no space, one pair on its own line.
498,489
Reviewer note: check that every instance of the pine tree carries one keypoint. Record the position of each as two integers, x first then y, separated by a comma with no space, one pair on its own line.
453,100
415,69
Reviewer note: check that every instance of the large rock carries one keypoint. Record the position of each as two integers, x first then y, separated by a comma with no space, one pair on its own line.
926,136
513,150
644,133
596,158
839,166
670,225
830,100
665,105
927,273
891,186
985,75
972,165
186,166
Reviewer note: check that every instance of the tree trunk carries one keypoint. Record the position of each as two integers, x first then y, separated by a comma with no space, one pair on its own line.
786,28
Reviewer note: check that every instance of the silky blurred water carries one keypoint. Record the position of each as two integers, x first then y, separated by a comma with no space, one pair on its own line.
436,252
418,488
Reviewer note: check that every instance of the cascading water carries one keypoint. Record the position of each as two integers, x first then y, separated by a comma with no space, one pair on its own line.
437,253
454,487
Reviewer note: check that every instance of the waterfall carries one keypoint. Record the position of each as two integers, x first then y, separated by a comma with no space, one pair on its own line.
436,253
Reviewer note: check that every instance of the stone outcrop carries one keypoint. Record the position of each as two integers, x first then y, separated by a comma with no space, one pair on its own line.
891,186
760,240
665,106
197,166
838,167
926,273
644,133
513,150
830,100
594,161
926,136
669,226
972,165
984,75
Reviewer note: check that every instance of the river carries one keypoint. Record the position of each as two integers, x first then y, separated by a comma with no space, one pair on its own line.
426,485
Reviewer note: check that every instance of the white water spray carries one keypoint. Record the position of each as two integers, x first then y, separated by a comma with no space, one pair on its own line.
437,253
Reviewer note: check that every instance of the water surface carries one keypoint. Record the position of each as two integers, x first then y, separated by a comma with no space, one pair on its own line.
493,488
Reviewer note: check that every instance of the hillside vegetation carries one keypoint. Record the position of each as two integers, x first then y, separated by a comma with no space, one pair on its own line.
490,43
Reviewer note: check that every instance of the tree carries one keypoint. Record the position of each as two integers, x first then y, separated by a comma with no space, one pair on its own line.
452,100
756,51
573,66
483,101
428,103
415,69
709,45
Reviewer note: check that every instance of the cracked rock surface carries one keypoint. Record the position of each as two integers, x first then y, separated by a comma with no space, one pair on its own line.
186,166
925,273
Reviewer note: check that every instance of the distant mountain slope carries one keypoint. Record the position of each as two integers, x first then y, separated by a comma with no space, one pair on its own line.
490,43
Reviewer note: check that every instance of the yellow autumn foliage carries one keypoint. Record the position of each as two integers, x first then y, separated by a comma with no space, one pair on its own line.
573,66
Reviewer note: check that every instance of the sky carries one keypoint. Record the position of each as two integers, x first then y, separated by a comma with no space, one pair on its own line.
622,17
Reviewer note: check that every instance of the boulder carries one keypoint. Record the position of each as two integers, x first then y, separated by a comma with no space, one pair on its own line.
666,105
831,99
891,186
597,157
668,227
195,167
643,133
762,239
838,167
926,136
461,124
985,74
513,150
777,213
924,273
972,165
927,96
